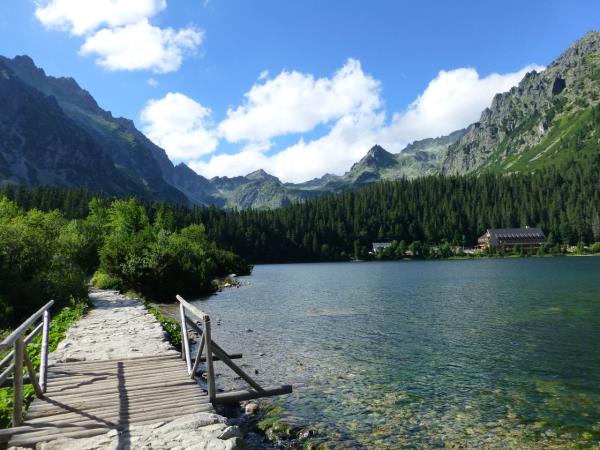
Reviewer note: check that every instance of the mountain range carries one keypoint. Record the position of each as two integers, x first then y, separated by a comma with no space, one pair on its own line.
52,132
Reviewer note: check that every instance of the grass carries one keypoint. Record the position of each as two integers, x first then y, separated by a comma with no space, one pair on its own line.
60,323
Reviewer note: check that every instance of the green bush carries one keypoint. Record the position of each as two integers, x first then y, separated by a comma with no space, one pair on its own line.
38,262
102,280
595,247
45,256
157,261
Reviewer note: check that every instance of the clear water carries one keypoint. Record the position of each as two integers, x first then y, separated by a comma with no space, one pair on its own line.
495,353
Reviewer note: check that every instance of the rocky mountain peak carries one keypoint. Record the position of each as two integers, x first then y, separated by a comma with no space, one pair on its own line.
376,157
261,175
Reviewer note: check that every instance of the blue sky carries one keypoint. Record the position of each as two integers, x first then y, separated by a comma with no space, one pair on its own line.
297,88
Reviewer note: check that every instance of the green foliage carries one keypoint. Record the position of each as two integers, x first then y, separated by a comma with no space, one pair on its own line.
58,327
103,280
595,248
153,259
43,255
41,258
563,201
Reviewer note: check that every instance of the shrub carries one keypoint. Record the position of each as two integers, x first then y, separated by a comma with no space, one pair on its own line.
37,262
102,280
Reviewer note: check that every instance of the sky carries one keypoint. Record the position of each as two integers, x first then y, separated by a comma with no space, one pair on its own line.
297,88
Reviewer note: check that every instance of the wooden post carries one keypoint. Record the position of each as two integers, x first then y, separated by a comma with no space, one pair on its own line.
17,416
210,370
44,354
185,344
32,375
198,358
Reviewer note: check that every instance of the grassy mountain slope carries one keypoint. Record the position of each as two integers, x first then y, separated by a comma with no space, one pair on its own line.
548,119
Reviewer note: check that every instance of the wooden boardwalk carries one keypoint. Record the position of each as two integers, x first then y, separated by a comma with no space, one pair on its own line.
90,398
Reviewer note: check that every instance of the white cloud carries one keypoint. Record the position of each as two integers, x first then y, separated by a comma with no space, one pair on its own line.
294,102
142,46
152,82
349,104
452,100
119,33
180,125
347,141
84,16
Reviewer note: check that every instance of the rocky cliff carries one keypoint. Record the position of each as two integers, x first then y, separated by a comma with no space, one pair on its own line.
523,127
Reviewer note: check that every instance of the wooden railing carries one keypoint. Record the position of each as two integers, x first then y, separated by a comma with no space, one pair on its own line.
15,358
214,352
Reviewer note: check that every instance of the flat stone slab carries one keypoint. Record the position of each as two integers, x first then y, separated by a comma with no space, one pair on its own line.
118,327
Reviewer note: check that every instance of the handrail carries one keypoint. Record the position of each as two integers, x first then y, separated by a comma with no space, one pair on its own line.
12,337
200,314
215,353
21,360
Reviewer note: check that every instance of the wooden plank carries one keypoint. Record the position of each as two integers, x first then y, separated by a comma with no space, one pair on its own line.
75,367
115,396
57,410
103,412
133,359
120,372
163,371
113,382
248,394
190,390
104,389
62,376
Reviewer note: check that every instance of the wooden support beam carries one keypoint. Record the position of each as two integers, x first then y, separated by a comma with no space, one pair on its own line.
44,353
249,394
17,414
238,370
185,344
210,370
198,357
32,375
216,358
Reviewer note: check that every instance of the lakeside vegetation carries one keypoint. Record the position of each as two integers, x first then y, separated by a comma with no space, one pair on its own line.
433,211
46,255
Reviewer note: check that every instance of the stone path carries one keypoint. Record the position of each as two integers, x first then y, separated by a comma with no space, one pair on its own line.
117,328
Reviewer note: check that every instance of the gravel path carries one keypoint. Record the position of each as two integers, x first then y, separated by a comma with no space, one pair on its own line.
120,327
